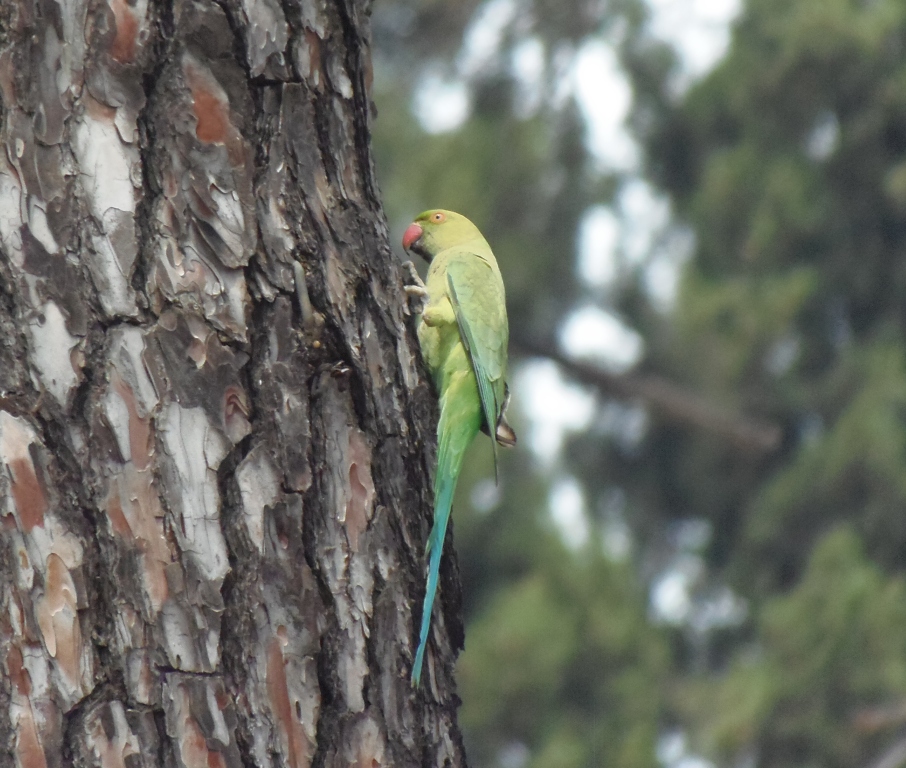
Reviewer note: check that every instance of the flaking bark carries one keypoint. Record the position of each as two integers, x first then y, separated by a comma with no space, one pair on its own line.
213,508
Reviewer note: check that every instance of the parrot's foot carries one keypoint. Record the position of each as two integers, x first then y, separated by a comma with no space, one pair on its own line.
416,292
504,434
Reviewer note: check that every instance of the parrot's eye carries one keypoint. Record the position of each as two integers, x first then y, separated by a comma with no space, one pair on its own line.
438,217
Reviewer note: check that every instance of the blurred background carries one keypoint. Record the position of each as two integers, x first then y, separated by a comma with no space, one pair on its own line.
696,554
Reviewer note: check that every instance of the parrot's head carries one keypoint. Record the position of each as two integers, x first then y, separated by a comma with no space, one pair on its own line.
434,231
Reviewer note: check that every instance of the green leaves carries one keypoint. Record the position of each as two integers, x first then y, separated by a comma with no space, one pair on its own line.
825,658
566,664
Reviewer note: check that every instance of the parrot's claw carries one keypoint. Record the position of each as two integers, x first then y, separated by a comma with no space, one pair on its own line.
416,292
409,267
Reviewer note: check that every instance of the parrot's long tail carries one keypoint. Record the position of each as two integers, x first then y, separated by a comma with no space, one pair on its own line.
456,430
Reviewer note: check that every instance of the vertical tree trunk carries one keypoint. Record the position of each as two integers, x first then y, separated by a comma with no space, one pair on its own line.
213,428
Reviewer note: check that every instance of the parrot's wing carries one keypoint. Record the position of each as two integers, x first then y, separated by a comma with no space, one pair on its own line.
480,309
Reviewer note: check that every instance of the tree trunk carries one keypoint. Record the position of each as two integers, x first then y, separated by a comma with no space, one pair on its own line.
216,437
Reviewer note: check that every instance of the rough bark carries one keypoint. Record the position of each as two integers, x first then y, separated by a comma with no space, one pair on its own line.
215,437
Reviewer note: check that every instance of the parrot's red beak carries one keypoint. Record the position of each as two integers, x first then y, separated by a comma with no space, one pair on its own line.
413,233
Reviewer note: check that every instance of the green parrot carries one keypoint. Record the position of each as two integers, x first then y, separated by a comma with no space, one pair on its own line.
463,335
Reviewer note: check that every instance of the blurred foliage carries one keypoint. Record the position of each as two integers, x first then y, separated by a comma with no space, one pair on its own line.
787,163
830,658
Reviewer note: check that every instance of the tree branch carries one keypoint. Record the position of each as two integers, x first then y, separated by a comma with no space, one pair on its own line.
671,401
